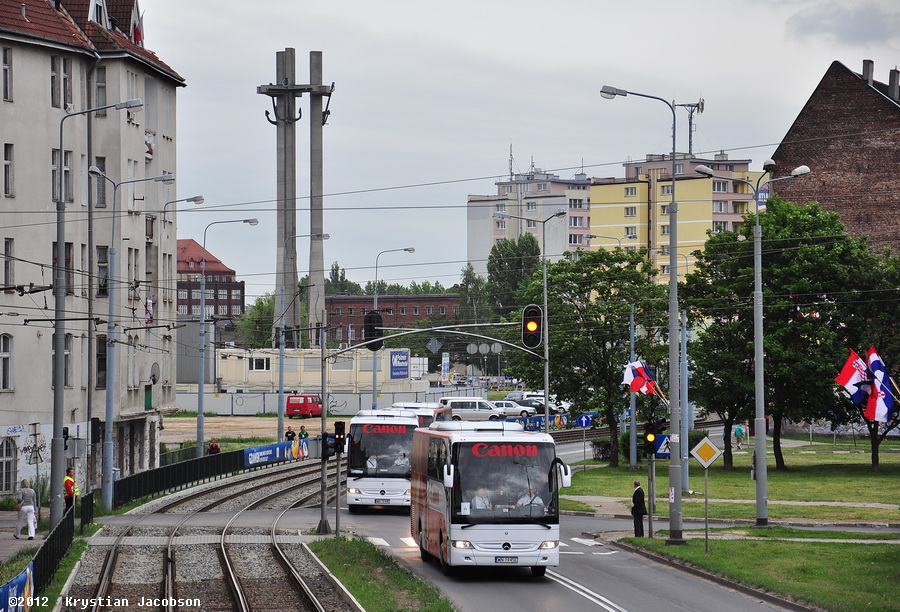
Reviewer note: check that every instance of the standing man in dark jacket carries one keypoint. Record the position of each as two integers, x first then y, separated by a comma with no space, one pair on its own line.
638,509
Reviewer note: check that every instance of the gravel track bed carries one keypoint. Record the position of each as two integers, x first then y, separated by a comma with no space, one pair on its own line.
316,580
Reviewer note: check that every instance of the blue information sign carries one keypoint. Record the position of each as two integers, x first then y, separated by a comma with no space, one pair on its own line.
584,420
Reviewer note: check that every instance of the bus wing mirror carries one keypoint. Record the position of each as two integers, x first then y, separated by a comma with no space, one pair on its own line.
448,476
565,475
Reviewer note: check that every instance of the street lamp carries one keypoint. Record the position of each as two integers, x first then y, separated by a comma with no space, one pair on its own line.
201,345
619,240
281,337
375,308
107,479
546,339
58,444
198,199
759,441
675,514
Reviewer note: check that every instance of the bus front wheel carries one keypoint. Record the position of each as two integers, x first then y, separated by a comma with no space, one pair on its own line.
446,568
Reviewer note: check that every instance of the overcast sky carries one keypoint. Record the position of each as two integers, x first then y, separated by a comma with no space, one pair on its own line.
430,96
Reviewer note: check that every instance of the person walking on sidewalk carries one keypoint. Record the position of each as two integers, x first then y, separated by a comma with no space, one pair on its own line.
638,509
26,505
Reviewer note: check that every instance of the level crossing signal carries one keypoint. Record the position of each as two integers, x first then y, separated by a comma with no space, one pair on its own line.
532,326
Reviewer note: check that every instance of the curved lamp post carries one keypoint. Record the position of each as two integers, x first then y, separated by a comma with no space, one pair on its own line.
759,439
201,346
281,337
107,478
198,199
546,339
375,353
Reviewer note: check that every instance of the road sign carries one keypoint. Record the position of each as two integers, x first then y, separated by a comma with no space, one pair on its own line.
584,420
706,452
662,446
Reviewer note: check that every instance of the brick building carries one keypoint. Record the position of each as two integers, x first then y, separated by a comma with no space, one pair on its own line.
848,133
346,312
224,294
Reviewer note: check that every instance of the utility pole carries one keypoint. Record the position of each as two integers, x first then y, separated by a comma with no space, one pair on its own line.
284,94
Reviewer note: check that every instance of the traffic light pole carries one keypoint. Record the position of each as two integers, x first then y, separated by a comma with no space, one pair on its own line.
651,492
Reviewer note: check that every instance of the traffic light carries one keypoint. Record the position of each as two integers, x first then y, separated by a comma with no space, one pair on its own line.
532,326
372,324
650,434
329,445
660,426
340,436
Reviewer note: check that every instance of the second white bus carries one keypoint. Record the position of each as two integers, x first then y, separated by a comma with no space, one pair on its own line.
379,445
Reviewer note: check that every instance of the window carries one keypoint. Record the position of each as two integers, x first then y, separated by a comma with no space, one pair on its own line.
630,192
223,294
9,184
195,310
182,309
631,230
638,170
100,183
507,189
666,190
531,224
429,310
442,310
259,364
389,310
665,269
66,81
338,311
182,294
542,186
500,207
7,74
5,362
195,294
67,175
223,309
720,186
719,227
739,208
67,360
719,206
500,224
102,270
576,221
664,230
665,250
631,249
54,81
531,206
351,312
402,310
576,204
235,294
235,310
679,168
363,311
664,209
100,84
416,310
456,311
9,262
69,271
576,239
210,294
631,211
8,468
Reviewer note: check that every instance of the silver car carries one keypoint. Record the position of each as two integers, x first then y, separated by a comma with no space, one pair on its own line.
469,409
512,409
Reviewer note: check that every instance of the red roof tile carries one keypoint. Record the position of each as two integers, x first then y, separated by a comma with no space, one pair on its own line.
189,250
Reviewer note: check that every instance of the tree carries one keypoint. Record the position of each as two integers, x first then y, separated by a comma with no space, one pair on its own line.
808,263
474,297
254,327
510,265
589,301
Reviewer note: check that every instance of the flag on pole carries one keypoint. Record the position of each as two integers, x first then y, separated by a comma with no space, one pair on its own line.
638,378
853,377
880,406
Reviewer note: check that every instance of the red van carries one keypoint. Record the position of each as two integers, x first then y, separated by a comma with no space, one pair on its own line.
303,406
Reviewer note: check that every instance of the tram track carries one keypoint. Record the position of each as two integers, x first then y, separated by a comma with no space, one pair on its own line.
217,585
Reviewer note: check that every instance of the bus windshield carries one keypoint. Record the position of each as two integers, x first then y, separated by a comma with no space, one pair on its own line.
379,449
503,483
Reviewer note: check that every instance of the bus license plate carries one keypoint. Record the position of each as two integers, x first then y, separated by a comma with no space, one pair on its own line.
382,501
506,559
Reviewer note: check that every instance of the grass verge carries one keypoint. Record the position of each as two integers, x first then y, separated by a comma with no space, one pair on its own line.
377,582
838,577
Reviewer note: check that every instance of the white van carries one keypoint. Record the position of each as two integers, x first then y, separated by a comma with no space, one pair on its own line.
468,409
424,410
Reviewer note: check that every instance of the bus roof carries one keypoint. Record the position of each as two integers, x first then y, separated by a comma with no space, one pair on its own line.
372,416
480,430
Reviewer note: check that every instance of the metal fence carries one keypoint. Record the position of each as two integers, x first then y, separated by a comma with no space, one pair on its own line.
176,456
52,551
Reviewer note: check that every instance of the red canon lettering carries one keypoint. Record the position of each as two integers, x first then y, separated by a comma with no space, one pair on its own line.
395,429
504,450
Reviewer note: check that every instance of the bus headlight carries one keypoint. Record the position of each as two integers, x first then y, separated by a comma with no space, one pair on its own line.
461,544
353,491
549,544
407,492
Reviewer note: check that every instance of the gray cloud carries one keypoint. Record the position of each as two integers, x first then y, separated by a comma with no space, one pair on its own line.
864,24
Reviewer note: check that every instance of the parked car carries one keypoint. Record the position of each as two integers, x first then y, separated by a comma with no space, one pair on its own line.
304,406
538,405
515,396
513,408
467,409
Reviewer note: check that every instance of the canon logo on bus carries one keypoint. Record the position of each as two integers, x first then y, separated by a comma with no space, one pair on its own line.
395,429
504,450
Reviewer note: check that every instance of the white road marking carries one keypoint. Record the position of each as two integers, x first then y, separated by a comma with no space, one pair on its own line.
585,592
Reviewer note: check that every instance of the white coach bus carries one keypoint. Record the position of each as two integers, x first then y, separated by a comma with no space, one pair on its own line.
379,445
486,493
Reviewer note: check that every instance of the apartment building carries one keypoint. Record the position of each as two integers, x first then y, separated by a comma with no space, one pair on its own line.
529,199
633,211
58,60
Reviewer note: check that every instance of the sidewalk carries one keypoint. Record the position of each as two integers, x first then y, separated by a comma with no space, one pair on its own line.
9,546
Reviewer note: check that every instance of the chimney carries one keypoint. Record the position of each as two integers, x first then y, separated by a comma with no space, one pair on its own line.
868,70
894,85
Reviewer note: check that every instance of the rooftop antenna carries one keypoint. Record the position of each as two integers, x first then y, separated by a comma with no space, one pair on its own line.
691,108
510,162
